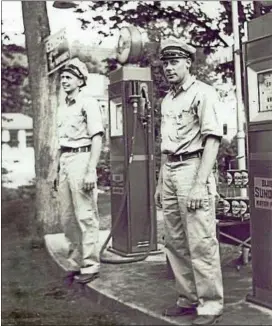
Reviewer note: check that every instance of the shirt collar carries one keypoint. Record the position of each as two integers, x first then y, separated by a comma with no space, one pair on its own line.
69,100
177,89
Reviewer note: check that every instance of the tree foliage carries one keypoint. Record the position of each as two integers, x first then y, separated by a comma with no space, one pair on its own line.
14,86
179,19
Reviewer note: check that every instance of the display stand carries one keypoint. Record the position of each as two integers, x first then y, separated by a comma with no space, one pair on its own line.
233,216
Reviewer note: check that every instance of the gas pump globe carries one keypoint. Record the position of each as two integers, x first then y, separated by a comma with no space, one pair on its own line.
130,45
132,162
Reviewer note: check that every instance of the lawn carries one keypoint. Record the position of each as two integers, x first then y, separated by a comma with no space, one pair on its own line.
33,289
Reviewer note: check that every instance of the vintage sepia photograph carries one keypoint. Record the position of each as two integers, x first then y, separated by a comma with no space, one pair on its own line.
136,163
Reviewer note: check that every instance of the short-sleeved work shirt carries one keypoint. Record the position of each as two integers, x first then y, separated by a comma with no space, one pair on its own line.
78,121
188,117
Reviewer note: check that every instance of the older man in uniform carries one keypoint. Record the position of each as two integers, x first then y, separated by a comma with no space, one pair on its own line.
190,133
80,131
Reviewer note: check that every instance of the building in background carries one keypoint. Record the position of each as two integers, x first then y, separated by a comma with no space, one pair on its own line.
17,130
18,159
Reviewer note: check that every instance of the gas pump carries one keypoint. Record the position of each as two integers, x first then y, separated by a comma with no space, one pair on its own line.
258,94
131,154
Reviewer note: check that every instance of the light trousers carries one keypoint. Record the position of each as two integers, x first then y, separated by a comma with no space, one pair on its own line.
79,213
190,239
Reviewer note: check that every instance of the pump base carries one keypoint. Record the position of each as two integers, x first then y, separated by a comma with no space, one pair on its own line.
252,299
157,251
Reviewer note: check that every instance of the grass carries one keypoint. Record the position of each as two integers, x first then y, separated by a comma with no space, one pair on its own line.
33,291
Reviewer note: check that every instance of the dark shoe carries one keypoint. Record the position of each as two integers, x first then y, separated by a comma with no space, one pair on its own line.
206,320
86,278
69,278
176,311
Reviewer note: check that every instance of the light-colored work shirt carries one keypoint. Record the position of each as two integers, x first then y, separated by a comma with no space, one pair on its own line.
189,115
78,121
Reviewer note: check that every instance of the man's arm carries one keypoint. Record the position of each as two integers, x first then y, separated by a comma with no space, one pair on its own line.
208,159
211,132
95,152
198,191
163,160
58,160
90,177
158,193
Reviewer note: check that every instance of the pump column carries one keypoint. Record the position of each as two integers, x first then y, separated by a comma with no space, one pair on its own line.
132,167
258,90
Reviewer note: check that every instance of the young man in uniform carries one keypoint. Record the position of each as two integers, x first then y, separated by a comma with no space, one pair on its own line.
190,138
80,131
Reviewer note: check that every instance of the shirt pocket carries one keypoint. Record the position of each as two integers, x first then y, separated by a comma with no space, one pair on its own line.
185,120
76,124
169,126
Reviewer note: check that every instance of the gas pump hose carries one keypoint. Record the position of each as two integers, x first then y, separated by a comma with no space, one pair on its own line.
126,260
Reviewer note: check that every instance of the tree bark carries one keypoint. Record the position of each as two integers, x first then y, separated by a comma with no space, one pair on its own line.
44,103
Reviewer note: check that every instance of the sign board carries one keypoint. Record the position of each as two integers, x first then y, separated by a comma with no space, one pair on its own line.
265,91
263,193
116,117
57,50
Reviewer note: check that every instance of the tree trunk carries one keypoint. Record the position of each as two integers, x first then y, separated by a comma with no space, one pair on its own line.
44,104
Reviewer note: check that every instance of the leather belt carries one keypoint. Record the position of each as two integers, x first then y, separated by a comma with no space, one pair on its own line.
183,157
75,150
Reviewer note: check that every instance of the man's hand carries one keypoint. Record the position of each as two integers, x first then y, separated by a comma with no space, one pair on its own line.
89,180
158,196
55,185
197,195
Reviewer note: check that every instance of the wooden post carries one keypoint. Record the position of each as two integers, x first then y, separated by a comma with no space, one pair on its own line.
44,103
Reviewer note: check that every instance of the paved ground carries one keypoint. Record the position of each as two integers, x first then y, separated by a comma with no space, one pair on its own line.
146,288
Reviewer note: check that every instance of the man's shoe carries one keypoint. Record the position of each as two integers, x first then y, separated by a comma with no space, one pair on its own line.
176,311
206,320
86,278
69,278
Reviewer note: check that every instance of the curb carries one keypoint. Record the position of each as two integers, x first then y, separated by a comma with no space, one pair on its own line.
102,298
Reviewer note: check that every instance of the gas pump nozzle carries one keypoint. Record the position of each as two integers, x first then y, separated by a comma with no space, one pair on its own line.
145,105
139,100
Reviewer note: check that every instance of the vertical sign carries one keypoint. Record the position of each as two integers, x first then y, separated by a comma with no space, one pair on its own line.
116,117
263,193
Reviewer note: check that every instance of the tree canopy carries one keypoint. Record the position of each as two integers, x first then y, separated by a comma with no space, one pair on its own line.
177,18
162,19
15,86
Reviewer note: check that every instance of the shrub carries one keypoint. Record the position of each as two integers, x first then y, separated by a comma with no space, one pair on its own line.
103,170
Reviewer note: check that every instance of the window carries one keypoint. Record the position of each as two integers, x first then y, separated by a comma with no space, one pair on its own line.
13,140
225,129
29,139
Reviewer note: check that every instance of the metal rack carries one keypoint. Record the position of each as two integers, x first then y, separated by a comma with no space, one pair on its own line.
233,215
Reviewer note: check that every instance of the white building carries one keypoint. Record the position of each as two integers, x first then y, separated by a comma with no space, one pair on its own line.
17,149
17,130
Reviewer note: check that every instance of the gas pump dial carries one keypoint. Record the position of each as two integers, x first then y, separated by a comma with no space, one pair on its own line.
130,45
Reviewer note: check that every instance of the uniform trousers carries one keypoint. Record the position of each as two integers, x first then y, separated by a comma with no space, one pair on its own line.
190,239
79,213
